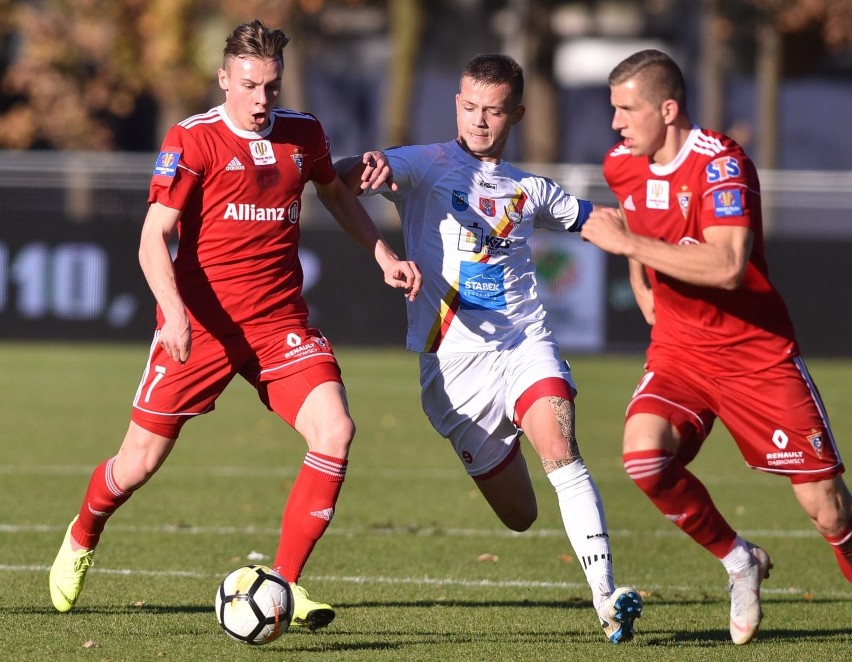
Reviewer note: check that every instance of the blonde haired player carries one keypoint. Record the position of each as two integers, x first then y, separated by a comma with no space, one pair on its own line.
229,181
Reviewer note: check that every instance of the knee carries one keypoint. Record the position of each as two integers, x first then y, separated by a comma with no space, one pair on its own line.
141,454
521,518
333,437
131,475
831,521
828,504
513,503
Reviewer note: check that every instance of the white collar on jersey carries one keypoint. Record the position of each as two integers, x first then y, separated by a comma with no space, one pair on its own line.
242,133
464,155
677,161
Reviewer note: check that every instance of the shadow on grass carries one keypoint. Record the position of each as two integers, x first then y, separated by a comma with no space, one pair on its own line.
472,604
338,638
645,637
331,641
715,638
572,603
409,640
112,610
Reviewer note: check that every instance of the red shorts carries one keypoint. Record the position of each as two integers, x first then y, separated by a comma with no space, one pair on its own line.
776,416
284,365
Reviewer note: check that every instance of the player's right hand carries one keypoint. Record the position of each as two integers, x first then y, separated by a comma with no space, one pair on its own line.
176,338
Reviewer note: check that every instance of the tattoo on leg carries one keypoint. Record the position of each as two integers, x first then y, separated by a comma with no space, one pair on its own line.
552,465
564,411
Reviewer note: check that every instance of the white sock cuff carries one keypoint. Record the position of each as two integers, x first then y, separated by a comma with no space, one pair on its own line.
112,486
569,474
739,558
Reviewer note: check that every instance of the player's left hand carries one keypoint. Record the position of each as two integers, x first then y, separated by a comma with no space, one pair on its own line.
606,229
377,171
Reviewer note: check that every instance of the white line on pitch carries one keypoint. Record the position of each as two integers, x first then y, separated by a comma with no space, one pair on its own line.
426,581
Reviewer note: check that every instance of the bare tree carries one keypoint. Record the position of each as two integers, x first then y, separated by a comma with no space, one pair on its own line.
777,18
540,145
405,29
713,64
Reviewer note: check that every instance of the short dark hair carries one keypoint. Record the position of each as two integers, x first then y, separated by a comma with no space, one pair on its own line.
255,40
663,78
497,69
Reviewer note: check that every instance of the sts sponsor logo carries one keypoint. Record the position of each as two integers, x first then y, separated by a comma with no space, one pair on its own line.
723,168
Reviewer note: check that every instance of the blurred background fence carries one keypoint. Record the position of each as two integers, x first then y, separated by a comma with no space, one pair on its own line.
71,221
88,88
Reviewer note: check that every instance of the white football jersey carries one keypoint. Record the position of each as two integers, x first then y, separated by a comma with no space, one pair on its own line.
466,224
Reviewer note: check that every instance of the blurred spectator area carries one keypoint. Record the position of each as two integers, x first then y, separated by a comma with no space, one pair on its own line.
113,75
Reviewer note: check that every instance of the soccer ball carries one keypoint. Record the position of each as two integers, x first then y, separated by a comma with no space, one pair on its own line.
254,605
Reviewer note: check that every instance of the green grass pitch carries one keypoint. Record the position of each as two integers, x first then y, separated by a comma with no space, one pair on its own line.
417,565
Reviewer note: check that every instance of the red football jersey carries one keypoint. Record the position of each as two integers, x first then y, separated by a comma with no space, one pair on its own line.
711,182
237,260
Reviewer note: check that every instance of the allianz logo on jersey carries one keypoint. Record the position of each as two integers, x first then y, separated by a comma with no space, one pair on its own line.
243,211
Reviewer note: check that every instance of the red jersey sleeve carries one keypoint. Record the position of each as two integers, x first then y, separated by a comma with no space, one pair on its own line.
731,190
176,172
322,169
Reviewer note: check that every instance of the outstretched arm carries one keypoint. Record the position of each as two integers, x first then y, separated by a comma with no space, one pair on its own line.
352,217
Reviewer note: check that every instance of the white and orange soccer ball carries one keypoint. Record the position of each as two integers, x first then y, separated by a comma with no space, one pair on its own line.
254,605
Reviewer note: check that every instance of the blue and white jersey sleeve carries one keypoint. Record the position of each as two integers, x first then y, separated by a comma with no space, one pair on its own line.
557,209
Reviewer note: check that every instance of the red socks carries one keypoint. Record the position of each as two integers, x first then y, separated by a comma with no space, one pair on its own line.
306,517
681,497
308,513
102,499
842,546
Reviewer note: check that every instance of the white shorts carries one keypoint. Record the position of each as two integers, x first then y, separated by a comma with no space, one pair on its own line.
470,397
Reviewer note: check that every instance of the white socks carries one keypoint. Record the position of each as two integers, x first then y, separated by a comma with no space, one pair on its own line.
739,558
585,523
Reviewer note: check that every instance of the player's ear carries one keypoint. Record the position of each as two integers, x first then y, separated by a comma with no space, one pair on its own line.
223,79
670,109
518,114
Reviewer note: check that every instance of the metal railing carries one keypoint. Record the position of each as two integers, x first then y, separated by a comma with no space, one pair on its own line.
83,186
